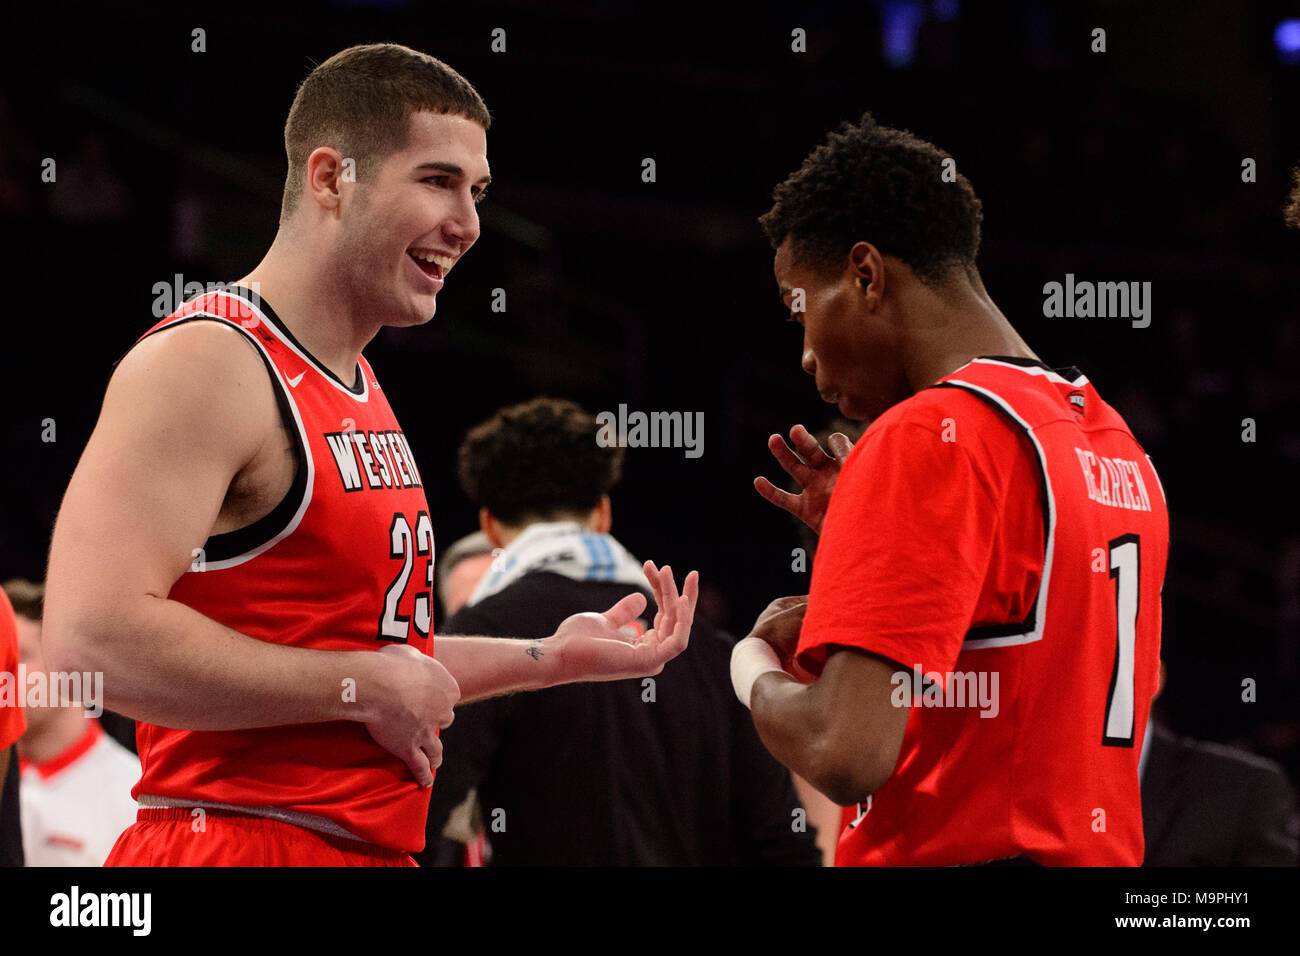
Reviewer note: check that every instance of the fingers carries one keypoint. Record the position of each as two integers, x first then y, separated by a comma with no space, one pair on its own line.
840,445
676,612
808,448
787,459
670,599
678,631
794,600
652,575
666,599
670,586
681,632
782,499
691,593
422,760
656,585
780,605
672,626
627,610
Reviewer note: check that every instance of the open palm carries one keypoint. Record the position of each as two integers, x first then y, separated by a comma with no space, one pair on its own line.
600,647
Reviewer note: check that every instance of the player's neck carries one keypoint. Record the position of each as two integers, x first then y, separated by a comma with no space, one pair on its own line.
312,309
502,534
969,325
61,731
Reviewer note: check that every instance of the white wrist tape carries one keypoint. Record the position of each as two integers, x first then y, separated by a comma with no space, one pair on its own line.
751,658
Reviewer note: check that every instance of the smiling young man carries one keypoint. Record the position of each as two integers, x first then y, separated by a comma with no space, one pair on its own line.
978,651
248,525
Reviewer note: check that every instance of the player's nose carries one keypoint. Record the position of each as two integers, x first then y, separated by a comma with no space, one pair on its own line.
809,362
463,226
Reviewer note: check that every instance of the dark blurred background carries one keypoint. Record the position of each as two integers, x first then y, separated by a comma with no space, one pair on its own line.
1123,165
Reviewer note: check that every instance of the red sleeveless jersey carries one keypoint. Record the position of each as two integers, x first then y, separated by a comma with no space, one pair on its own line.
344,562
1003,538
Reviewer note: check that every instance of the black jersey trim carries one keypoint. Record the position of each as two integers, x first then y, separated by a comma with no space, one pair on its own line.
1030,624
1070,373
1018,360
234,544
359,388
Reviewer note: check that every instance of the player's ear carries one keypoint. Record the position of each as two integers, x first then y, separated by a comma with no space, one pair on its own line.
602,516
324,174
866,266
490,527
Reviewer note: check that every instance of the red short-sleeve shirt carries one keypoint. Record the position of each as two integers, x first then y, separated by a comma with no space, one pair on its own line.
903,566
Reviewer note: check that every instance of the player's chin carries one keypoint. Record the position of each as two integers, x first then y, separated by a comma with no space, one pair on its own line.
843,403
854,410
420,311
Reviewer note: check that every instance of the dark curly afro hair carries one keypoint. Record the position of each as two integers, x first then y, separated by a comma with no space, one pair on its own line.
538,460
885,186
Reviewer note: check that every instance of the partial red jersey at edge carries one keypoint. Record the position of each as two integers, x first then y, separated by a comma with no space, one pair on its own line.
1003,538
345,562
13,722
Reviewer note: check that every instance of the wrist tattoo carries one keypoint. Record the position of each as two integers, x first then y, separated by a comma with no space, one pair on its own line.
535,650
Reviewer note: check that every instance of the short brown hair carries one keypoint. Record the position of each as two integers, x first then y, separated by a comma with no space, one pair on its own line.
538,460
360,101
27,597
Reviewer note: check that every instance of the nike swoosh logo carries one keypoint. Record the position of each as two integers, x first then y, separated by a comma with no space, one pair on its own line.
293,382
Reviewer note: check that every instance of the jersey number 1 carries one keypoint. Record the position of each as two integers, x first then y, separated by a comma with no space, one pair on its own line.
1125,568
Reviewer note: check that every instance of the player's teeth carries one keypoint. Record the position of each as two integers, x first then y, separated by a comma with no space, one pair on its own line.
443,262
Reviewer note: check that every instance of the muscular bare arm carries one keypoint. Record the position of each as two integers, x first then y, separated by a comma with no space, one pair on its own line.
842,733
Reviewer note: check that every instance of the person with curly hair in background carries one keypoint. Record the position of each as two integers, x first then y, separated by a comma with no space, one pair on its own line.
656,771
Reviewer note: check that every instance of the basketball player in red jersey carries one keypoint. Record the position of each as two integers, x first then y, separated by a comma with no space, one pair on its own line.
248,524
979,648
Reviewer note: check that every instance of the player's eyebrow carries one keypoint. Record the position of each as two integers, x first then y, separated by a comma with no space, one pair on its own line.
454,170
